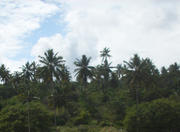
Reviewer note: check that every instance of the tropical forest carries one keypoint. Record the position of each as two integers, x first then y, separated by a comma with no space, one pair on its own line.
133,96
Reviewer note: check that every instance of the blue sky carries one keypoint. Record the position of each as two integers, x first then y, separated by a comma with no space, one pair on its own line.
50,26
150,28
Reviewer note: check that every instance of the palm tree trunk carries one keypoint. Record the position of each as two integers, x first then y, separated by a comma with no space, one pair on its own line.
55,121
137,111
137,96
55,118
29,128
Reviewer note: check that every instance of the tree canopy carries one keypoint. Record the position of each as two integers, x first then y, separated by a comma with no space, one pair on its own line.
133,95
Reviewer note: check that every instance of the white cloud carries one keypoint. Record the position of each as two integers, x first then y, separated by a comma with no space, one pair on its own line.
14,65
55,42
17,20
150,28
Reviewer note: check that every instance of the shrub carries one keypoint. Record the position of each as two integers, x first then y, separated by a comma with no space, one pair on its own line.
160,115
14,118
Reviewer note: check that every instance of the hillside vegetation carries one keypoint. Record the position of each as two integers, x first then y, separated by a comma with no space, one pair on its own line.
133,96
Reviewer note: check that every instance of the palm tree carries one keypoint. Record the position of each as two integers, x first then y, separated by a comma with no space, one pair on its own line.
52,64
139,72
27,75
105,54
103,72
83,70
134,74
106,66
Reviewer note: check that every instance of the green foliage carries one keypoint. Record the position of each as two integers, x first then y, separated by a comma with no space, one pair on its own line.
83,117
161,115
103,98
89,128
6,92
62,116
13,118
4,74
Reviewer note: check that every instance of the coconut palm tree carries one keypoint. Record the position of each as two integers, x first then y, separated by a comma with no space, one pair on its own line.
134,74
105,54
139,73
83,70
27,77
28,74
52,64
106,66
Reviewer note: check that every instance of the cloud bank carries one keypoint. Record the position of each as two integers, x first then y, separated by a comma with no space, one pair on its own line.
17,20
150,28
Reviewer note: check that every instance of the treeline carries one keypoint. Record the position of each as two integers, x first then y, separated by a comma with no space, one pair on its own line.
135,96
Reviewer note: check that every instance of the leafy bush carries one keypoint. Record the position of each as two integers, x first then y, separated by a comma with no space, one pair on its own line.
82,118
6,92
14,118
160,115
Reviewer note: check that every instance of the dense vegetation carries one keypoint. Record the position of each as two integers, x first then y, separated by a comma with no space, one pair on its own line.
133,96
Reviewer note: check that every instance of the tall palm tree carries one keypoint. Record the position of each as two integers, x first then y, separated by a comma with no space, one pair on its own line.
27,74
139,72
83,70
134,74
51,64
105,54
106,66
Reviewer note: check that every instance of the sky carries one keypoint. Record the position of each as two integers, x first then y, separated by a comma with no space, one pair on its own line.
150,28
